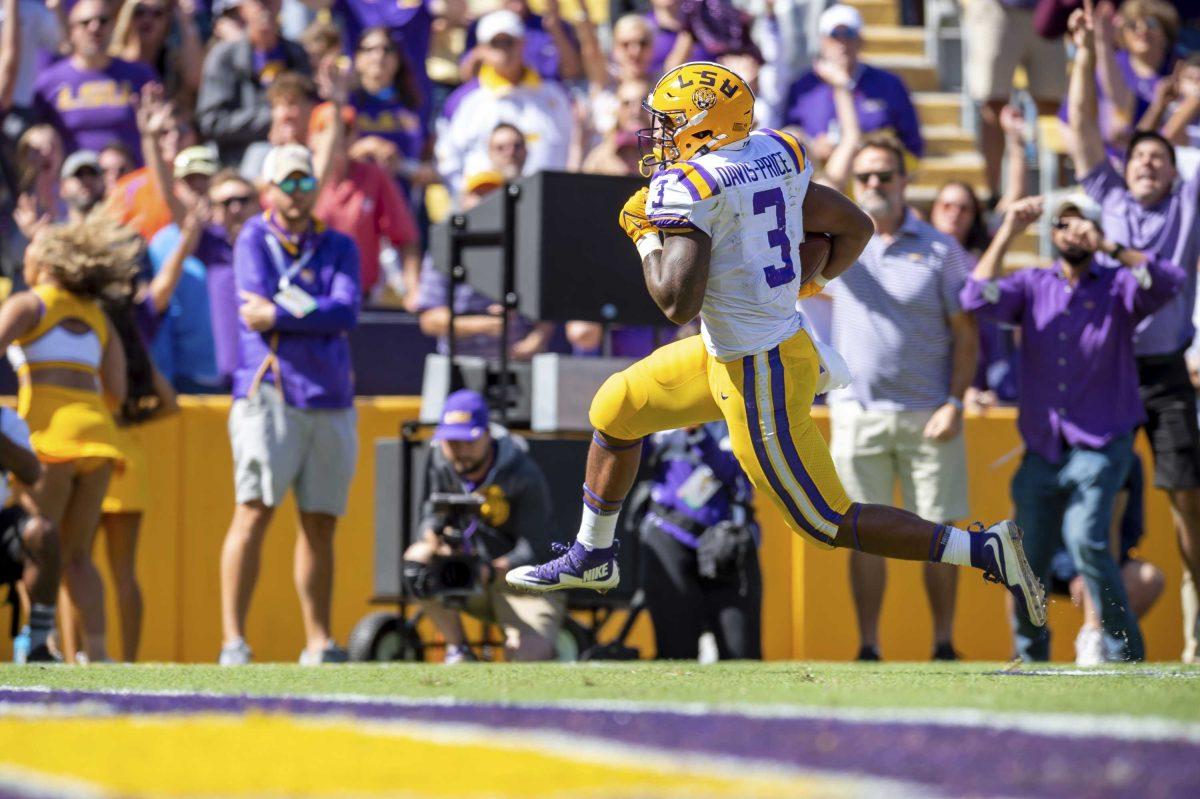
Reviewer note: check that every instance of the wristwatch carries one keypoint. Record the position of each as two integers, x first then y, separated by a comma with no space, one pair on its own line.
1116,251
955,401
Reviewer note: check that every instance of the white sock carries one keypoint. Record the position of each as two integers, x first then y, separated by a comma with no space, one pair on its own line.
596,531
958,548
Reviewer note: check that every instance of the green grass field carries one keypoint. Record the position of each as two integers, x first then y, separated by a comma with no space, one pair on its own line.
1165,691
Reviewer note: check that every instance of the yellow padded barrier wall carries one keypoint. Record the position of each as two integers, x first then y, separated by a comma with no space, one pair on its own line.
808,612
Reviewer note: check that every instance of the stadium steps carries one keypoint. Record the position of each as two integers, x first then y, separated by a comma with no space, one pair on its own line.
938,169
948,140
892,40
917,71
877,12
938,108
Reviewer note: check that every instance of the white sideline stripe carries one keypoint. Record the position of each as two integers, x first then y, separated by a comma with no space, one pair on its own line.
1077,725
666,761
27,783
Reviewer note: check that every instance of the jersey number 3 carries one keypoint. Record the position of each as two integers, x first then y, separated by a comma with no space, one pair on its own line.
763,201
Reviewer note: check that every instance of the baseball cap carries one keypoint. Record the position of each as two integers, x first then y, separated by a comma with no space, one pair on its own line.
77,161
287,159
464,417
839,16
1076,200
220,7
196,160
498,23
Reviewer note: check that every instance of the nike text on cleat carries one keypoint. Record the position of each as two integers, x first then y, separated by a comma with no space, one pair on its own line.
999,553
575,567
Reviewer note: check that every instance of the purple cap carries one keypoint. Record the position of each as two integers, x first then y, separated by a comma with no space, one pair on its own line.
464,417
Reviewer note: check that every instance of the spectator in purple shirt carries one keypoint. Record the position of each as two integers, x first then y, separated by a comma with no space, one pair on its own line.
673,44
1148,208
1080,405
293,423
89,97
551,48
880,98
1133,53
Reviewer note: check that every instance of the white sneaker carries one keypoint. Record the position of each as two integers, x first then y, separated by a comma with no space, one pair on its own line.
236,654
456,655
1089,648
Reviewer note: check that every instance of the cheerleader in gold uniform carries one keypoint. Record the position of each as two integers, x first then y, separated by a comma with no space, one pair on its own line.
71,369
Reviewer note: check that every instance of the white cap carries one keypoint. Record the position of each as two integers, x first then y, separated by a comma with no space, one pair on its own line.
839,16
498,23
287,159
77,161
1085,205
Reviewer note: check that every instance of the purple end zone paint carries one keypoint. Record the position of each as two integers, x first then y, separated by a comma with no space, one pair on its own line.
957,760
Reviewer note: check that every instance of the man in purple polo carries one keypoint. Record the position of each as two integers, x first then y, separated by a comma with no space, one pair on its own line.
1080,405
89,97
1148,208
292,424
880,98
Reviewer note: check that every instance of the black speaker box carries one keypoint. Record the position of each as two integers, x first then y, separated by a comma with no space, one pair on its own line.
573,261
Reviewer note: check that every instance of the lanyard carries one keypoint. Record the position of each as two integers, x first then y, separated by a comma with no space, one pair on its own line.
279,260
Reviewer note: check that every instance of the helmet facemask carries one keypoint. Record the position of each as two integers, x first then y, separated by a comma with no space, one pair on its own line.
657,142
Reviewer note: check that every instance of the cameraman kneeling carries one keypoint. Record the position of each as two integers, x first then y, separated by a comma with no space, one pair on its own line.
485,536
700,547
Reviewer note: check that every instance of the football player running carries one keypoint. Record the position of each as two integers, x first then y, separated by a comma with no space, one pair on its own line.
718,231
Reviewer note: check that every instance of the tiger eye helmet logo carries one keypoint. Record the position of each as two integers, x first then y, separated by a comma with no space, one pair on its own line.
704,98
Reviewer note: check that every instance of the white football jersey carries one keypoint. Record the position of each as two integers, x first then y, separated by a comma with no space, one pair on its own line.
747,197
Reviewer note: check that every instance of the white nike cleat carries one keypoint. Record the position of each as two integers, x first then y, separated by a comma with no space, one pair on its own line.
998,551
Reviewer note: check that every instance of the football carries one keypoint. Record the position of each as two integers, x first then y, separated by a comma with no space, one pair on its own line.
814,253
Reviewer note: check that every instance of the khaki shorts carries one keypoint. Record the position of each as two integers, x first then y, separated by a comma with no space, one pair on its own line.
277,447
998,40
523,617
874,449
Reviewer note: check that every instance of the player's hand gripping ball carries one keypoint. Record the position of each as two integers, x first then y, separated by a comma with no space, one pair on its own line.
633,216
814,254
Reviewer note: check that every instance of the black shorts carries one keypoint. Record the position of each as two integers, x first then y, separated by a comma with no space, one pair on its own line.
1171,424
12,545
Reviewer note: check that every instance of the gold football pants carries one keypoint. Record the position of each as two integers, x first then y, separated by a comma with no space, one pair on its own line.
765,398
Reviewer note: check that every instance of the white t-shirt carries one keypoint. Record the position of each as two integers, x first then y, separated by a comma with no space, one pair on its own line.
14,427
747,197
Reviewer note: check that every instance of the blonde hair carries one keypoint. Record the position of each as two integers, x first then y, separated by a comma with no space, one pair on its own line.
1163,11
633,21
96,257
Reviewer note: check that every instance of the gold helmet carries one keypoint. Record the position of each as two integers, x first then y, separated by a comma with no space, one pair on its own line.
694,109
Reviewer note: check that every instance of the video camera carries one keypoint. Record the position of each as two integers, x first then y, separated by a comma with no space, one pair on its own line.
450,578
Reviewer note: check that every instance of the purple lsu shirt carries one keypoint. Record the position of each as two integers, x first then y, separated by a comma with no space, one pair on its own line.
881,99
90,108
1078,375
1170,229
313,351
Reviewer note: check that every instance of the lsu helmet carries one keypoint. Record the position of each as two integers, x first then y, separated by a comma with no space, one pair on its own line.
694,109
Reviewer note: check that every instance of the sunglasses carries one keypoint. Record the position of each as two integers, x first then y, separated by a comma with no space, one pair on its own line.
294,185
86,173
1143,23
884,177
237,199
100,21
843,34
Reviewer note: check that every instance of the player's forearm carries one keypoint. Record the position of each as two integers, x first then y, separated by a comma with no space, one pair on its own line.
677,275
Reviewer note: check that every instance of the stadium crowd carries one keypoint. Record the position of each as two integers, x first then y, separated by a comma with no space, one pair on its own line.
199,197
